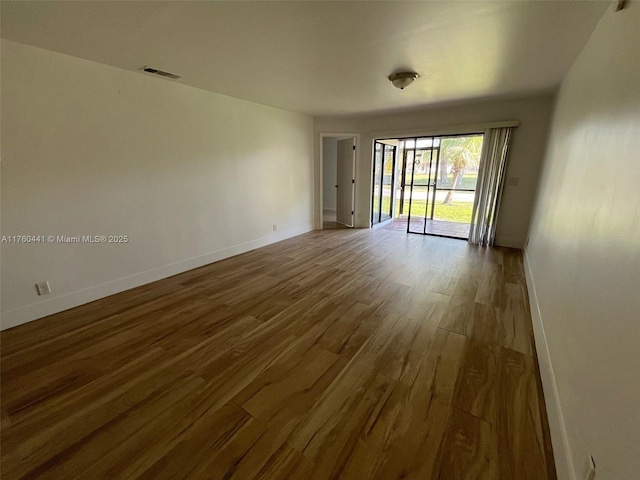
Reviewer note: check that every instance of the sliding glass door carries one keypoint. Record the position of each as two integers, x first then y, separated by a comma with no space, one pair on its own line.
383,182
455,186
438,183
419,162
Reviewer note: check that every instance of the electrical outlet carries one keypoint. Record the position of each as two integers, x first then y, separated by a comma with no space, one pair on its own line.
275,227
43,288
589,472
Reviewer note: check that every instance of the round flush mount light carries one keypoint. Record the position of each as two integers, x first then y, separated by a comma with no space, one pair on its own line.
402,80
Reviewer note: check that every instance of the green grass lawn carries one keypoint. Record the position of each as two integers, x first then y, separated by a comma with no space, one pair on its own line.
456,211
453,212
469,180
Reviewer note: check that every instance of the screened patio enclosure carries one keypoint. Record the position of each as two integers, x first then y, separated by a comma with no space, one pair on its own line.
426,183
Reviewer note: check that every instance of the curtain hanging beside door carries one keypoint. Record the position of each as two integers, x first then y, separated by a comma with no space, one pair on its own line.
493,165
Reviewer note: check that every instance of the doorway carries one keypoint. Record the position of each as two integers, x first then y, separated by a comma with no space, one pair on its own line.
338,181
434,183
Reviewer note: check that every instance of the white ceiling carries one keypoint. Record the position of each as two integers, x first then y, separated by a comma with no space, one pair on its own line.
323,58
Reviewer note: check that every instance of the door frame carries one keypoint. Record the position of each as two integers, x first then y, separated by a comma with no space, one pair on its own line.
320,182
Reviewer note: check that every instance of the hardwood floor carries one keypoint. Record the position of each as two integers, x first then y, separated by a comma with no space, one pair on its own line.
351,354
329,220
432,227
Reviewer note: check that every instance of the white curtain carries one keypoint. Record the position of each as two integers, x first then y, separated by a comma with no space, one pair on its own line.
493,164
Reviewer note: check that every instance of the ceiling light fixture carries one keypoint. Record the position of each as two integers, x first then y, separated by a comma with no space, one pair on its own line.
402,80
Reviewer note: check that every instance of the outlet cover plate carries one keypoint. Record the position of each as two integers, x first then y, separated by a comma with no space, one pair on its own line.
43,288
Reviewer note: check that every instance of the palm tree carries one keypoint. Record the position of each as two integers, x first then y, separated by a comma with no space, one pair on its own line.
461,153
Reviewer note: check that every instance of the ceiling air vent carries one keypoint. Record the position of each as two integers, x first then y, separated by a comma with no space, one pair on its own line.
155,71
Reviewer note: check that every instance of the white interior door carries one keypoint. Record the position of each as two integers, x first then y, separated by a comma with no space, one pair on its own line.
346,165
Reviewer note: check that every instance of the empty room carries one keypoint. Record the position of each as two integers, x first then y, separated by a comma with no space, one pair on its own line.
295,240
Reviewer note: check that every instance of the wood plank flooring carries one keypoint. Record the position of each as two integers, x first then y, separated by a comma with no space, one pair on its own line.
339,354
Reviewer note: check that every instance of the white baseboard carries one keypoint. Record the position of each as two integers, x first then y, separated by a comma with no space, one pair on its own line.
509,242
41,309
559,438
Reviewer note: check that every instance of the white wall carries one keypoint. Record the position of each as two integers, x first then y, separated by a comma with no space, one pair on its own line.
525,158
584,256
190,176
329,172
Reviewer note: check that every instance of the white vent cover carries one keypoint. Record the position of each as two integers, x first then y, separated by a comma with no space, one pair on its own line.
162,73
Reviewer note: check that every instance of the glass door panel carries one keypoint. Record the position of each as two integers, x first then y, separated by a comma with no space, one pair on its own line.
377,187
387,181
383,181
418,167
417,202
454,191
407,178
399,181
